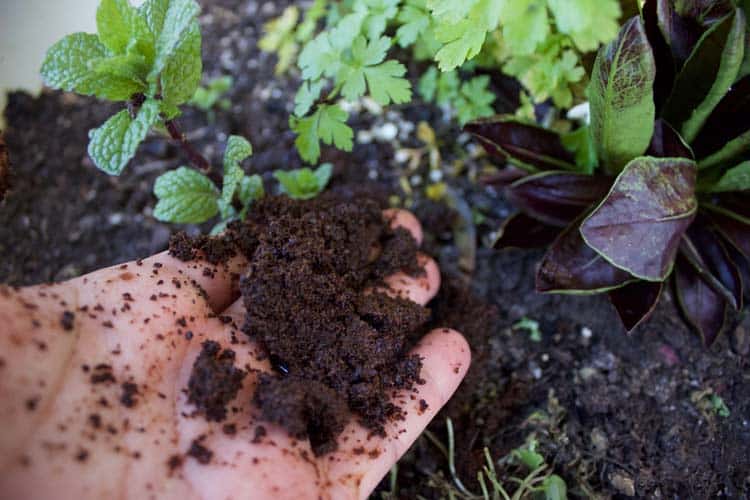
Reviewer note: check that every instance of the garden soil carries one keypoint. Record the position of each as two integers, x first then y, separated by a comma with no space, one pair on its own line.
616,416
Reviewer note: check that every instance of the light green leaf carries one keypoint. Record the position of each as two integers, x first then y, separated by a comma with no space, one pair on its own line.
304,183
554,488
414,19
182,72
130,66
67,66
428,83
177,20
464,35
525,24
251,189
238,149
114,22
705,58
306,96
279,37
621,97
475,100
588,22
450,10
734,179
185,197
327,124
580,142
153,13
386,83
112,145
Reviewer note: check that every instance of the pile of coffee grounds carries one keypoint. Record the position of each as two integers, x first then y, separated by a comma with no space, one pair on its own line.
337,346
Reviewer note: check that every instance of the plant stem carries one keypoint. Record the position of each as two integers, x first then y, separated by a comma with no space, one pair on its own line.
197,159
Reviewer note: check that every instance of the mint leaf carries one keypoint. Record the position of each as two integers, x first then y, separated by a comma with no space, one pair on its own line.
112,145
153,13
182,73
177,20
304,183
185,197
306,96
67,67
238,149
327,124
251,189
129,66
114,22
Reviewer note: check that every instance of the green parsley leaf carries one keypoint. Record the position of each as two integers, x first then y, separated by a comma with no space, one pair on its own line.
306,96
327,124
280,38
525,24
323,54
589,23
182,72
304,183
464,35
450,11
112,145
475,100
385,81
67,66
205,98
415,21
185,197
379,12
427,86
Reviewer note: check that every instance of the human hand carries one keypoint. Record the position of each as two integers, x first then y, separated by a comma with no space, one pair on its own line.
73,427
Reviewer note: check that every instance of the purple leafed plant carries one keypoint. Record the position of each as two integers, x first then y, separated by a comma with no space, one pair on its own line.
653,191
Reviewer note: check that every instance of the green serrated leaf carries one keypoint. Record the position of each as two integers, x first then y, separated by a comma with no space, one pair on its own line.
525,24
182,72
475,100
114,21
304,183
587,22
327,124
463,36
415,21
581,143
185,197
306,96
129,66
176,21
112,145
427,86
238,149
67,66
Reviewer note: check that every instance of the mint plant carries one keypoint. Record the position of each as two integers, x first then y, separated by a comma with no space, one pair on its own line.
653,189
539,42
304,183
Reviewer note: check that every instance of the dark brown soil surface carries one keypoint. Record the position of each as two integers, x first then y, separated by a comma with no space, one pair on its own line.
336,346
619,410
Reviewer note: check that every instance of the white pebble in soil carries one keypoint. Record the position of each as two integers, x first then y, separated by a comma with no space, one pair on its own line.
385,132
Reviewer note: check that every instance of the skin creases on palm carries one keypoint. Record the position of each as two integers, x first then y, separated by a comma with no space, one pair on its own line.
95,407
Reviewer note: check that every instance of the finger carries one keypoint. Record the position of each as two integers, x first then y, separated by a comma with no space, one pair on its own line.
419,289
219,282
361,461
405,219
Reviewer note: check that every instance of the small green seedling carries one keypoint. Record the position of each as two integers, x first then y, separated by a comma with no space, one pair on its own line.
148,57
208,97
304,183
187,196
530,325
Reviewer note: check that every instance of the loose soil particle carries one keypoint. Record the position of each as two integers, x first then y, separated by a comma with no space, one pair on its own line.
214,381
4,168
336,347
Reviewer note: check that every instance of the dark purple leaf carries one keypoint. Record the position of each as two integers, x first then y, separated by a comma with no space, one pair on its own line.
504,177
733,205
703,307
635,302
665,65
733,229
521,231
557,198
683,22
706,76
639,225
667,143
526,146
621,97
572,266
704,249
743,266
728,121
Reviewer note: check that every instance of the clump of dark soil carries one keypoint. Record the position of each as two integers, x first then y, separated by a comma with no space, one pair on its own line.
214,381
4,168
336,347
